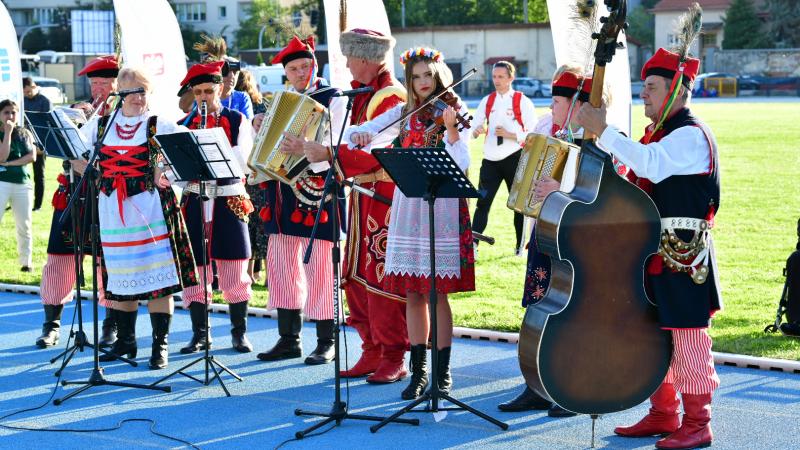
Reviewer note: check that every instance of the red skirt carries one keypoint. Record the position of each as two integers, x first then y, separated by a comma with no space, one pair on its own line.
403,284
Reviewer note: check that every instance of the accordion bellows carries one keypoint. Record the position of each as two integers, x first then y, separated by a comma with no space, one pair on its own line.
542,156
294,114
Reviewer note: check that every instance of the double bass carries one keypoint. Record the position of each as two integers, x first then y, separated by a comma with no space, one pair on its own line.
593,344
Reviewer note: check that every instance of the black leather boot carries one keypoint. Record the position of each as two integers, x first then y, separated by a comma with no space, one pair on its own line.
197,312
239,341
323,354
51,326
109,329
126,337
528,400
419,372
288,346
159,357
443,377
557,411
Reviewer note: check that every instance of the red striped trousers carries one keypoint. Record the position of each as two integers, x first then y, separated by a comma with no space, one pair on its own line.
234,282
58,281
692,367
294,285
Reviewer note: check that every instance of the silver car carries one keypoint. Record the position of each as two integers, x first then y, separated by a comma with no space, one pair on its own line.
532,87
52,89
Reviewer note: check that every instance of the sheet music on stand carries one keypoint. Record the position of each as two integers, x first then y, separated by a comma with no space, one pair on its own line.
200,155
414,169
57,134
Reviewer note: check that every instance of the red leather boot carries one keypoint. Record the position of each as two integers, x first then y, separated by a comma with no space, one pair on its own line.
695,431
391,368
663,418
368,363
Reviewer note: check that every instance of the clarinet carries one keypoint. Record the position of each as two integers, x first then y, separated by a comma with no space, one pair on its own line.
203,114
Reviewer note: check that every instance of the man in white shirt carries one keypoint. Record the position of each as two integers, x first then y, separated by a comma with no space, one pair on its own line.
510,116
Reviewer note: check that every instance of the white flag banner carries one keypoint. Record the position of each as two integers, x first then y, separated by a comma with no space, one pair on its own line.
10,68
151,38
366,14
570,49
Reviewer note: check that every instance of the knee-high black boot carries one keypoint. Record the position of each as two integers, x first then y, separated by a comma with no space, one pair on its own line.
109,329
443,377
159,357
288,346
126,336
419,372
323,354
197,312
239,341
51,326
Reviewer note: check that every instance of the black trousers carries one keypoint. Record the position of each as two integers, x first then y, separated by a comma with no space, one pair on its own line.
38,181
492,174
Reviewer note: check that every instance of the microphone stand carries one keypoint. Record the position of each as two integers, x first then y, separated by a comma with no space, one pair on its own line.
80,341
90,176
338,411
77,337
210,363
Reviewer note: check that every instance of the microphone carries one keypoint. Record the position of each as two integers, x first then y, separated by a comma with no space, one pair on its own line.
354,92
203,114
126,92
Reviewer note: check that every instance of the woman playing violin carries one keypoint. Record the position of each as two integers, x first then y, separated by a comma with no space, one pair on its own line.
407,270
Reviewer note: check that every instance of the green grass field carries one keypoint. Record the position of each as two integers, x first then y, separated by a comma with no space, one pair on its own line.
755,232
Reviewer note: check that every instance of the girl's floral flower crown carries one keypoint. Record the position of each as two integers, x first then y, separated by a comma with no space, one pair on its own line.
427,52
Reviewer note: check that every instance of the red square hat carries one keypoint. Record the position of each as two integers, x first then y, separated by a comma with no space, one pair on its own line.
210,72
102,67
666,63
567,86
296,49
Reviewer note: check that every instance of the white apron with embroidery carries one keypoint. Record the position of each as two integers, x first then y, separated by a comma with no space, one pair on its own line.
137,253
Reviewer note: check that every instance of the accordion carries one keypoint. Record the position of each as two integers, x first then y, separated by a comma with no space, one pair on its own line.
295,114
542,156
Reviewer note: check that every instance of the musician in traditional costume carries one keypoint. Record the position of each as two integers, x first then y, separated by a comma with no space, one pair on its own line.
407,270
58,273
508,116
376,313
677,164
225,213
570,90
214,48
146,251
295,288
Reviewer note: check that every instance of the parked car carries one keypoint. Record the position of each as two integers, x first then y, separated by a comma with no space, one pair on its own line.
52,89
743,83
532,87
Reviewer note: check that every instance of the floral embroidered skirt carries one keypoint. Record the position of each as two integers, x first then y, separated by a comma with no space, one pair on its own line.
401,283
537,273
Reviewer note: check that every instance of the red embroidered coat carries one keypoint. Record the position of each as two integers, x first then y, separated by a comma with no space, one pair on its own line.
369,219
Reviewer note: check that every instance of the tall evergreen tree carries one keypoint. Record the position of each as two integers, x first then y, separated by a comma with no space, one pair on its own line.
784,22
743,28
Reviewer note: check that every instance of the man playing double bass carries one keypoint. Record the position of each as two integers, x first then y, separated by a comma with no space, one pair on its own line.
676,163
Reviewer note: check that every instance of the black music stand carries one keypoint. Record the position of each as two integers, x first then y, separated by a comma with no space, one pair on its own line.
200,159
90,176
429,173
338,411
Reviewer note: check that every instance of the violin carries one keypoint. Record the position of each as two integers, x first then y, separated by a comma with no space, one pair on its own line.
433,112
